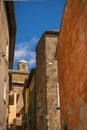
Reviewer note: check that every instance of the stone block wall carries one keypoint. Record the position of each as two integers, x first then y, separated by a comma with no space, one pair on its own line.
4,40
41,91
48,114
72,66
53,106
32,102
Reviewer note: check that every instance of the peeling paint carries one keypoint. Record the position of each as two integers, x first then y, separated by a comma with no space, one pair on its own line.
69,110
86,9
81,126
82,35
83,0
75,128
81,86
83,109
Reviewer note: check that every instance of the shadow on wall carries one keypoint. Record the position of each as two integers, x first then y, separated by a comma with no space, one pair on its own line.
18,127
14,127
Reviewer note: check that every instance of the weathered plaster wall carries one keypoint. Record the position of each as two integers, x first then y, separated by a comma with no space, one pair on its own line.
18,79
72,65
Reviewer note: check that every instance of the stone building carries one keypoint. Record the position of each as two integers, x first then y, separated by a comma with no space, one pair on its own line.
47,89
7,45
29,95
25,114
17,77
72,66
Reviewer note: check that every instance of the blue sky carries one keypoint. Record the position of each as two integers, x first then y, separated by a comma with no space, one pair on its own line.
33,18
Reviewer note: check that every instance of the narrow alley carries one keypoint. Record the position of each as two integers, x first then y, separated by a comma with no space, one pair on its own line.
43,65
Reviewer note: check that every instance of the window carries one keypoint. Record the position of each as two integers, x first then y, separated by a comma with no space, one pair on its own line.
7,52
23,67
58,97
18,114
65,128
11,99
65,125
5,90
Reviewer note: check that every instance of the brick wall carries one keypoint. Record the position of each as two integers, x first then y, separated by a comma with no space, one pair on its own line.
72,65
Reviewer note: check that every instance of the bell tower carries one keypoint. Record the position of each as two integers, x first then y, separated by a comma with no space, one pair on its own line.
23,65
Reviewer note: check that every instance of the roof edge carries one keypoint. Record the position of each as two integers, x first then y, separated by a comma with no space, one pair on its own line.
10,12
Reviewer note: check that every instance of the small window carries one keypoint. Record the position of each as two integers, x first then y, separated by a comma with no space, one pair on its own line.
5,90
65,125
58,97
65,128
23,67
11,99
7,52
17,114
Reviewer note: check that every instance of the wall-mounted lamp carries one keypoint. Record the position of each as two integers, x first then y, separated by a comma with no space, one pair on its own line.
1,52
11,92
3,55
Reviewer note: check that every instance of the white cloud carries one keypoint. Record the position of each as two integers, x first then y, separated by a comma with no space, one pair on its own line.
27,50
20,52
36,0
56,29
32,58
31,0
32,62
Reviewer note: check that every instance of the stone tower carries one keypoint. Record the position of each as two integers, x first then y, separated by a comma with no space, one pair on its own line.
23,65
47,89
